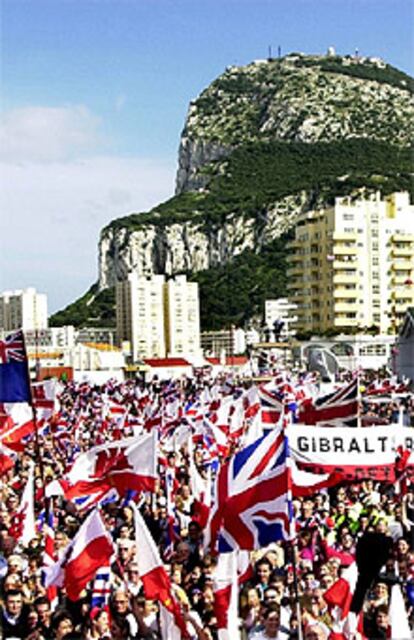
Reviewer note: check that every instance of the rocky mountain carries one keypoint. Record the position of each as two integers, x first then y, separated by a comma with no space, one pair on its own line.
294,99
260,145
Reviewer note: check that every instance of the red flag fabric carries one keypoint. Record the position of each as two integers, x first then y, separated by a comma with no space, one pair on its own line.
7,459
152,572
91,548
17,424
125,465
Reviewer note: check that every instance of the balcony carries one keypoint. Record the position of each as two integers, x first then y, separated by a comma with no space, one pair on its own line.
402,265
404,293
341,250
406,252
344,264
297,297
294,244
345,293
402,237
345,278
344,236
295,257
292,272
295,285
401,280
346,307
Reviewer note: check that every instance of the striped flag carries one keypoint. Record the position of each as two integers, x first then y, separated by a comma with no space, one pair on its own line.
101,589
49,554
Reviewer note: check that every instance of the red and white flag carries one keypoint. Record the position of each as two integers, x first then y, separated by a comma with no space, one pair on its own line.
16,423
124,465
90,549
156,581
305,483
7,459
346,624
45,400
23,524
226,595
49,554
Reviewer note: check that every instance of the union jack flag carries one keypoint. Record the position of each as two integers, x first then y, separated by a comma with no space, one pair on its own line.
12,349
253,502
277,401
14,374
337,408
271,407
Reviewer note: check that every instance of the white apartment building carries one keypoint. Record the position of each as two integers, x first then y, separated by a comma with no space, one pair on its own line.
23,309
352,265
182,315
140,315
159,318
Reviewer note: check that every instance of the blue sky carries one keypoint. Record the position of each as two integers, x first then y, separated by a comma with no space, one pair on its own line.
94,97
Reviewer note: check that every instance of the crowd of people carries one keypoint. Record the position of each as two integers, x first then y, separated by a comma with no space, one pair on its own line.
285,584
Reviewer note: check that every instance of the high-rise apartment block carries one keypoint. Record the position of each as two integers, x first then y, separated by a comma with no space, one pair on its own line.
159,318
25,310
182,317
352,265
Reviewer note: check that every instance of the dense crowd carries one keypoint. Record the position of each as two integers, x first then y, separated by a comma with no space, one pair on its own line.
285,581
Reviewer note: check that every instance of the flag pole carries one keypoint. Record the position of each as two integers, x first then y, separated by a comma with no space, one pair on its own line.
294,550
37,445
34,413
359,397
292,541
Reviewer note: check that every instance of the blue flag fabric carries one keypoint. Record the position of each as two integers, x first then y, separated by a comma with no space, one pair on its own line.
14,374
14,382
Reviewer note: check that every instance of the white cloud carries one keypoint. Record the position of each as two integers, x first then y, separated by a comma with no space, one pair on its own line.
58,189
47,134
53,213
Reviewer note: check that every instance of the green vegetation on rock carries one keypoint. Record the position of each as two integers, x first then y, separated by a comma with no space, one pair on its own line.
258,174
234,293
94,309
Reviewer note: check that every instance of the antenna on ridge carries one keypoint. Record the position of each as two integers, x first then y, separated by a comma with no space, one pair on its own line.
279,51
269,57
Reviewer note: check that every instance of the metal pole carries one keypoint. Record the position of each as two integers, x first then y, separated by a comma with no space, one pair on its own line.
295,587
32,404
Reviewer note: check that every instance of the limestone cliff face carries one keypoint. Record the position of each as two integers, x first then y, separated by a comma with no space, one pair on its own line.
306,99
188,246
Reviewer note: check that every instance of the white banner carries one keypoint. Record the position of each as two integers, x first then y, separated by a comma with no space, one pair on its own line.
338,448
